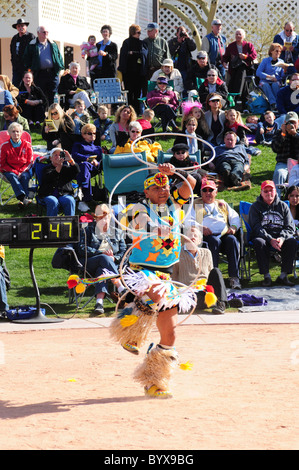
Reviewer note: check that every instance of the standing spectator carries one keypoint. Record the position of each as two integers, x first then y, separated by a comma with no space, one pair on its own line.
107,56
32,100
180,49
286,145
214,44
289,41
239,55
43,58
272,227
157,48
132,65
18,45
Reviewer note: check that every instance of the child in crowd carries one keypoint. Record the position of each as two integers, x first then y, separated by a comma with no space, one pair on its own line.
234,123
181,160
80,116
103,123
266,129
252,124
145,121
194,109
90,51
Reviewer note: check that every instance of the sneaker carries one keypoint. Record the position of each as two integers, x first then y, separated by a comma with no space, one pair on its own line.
234,283
155,392
236,303
99,309
27,201
256,152
83,207
219,309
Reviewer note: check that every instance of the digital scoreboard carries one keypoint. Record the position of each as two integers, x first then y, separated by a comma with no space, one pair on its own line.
39,232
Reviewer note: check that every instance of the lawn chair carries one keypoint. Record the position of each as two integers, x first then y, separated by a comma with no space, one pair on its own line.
109,91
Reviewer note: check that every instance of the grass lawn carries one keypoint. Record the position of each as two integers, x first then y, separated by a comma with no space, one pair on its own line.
52,282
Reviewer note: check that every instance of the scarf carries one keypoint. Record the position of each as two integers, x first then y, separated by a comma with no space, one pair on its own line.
102,48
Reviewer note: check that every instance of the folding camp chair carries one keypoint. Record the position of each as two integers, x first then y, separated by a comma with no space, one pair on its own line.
109,91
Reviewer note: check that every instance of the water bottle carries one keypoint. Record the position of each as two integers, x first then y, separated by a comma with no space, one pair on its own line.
56,98
93,97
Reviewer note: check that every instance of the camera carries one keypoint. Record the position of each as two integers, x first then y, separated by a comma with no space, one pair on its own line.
62,155
183,34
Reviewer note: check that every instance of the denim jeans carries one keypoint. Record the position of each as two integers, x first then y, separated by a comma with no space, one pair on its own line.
271,89
280,175
228,244
19,184
53,203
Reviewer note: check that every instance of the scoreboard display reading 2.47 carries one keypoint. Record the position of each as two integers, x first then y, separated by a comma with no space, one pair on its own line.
35,232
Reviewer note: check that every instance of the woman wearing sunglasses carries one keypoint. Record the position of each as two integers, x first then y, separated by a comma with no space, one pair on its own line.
89,157
215,118
151,149
58,129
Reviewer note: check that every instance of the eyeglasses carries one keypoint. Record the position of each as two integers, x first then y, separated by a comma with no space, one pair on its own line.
207,190
90,133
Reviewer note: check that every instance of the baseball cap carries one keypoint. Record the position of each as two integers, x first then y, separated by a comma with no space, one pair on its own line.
168,62
151,26
162,80
202,55
291,116
207,183
216,21
267,183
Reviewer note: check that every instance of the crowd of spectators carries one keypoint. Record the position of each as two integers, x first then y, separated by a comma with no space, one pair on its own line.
172,77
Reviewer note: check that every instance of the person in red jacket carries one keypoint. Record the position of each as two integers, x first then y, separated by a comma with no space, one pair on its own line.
16,159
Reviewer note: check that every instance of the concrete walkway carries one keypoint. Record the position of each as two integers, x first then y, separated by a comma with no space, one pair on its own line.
238,318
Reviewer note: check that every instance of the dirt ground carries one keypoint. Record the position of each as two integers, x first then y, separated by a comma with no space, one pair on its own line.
72,389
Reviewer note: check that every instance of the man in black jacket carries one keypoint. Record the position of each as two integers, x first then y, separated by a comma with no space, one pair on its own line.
272,228
17,47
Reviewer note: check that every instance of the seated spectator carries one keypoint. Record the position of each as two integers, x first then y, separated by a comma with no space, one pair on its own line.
119,130
56,189
239,55
231,160
193,144
198,70
181,159
32,100
151,149
165,104
80,116
5,98
272,227
194,109
103,124
233,122
220,223
74,87
102,247
215,118
9,114
167,70
60,131
191,261
89,157
212,84
293,178
251,123
271,74
6,84
266,129
288,96
146,121
292,195
16,159
289,41
286,145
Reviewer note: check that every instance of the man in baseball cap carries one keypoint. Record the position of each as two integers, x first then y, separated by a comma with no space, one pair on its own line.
215,43
272,228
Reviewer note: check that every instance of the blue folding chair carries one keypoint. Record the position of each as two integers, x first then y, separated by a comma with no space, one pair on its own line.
109,91
244,208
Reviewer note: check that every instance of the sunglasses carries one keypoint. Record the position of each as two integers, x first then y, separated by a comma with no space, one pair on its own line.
90,133
211,75
54,113
138,32
207,190
214,101
134,131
